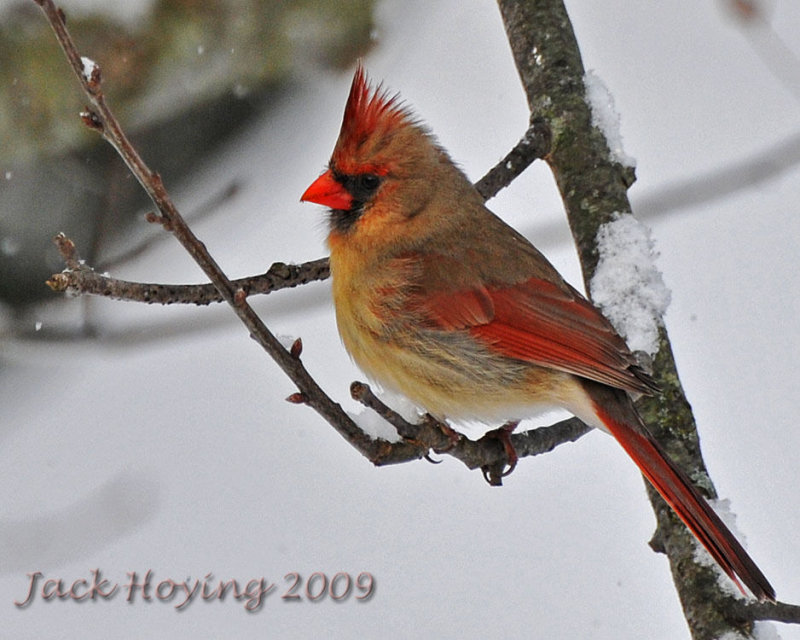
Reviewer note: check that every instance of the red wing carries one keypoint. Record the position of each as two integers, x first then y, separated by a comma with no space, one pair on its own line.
541,323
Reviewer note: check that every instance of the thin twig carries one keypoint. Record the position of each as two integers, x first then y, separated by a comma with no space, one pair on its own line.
774,611
83,279
362,392
99,116
534,145
485,453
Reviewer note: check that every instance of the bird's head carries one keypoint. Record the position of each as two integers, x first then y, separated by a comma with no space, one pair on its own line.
386,167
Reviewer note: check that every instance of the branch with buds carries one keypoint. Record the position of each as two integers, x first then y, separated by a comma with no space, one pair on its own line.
81,279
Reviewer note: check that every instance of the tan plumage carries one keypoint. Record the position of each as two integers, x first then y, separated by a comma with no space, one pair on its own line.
439,299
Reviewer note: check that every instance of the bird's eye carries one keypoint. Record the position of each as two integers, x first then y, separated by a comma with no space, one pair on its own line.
368,182
361,186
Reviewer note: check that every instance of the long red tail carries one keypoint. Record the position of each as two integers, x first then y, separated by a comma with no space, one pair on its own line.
615,409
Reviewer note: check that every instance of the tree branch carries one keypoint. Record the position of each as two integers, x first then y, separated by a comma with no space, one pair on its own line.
100,117
80,278
776,612
486,453
594,191
534,145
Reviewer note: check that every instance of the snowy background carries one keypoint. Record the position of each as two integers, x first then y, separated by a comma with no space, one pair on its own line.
166,445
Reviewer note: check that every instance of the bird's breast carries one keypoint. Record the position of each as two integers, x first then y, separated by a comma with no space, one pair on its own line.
446,372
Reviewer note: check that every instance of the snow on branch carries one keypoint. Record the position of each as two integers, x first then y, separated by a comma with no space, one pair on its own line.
605,117
627,286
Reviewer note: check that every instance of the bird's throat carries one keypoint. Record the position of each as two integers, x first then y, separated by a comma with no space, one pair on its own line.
342,220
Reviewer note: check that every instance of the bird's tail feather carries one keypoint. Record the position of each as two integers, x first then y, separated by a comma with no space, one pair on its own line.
615,410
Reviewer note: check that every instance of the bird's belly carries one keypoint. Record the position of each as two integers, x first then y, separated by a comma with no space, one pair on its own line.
450,376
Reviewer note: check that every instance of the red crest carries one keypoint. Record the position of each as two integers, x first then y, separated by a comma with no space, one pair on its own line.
370,113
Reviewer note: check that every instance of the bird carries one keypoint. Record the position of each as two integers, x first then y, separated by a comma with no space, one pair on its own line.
439,299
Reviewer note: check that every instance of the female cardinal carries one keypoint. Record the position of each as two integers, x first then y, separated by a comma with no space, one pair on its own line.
439,299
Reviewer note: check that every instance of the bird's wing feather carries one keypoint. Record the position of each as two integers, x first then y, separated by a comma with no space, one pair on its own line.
539,322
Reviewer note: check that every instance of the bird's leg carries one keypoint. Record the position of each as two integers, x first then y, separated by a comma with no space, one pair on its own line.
434,428
451,434
493,474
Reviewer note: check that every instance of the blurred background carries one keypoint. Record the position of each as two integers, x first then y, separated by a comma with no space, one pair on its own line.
137,438
182,77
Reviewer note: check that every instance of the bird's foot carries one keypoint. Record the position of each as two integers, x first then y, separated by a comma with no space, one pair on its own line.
494,473
442,427
451,434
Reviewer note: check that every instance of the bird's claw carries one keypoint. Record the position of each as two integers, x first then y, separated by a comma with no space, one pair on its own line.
495,472
452,436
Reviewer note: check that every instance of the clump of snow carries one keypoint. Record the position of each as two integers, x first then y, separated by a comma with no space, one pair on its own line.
701,556
374,425
761,631
627,286
731,635
89,66
605,117
722,506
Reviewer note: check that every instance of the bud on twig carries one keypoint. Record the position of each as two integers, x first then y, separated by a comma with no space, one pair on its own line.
297,398
297,348
91,120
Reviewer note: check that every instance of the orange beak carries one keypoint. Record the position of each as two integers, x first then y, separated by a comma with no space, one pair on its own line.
326,191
